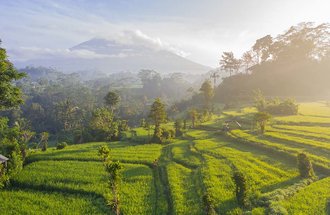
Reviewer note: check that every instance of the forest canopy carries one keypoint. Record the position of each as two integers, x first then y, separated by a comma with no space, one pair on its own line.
287,65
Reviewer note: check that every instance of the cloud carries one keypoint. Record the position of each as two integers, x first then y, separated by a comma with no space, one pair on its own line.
128,38
30,53
138,38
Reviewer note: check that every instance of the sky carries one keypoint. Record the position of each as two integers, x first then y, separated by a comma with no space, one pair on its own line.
199,30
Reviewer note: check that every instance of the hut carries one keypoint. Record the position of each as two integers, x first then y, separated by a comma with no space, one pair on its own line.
3,160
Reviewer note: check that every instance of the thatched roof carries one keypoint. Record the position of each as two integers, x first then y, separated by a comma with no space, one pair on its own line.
3,159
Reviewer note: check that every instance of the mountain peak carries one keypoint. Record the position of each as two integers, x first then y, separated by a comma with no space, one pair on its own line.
130,53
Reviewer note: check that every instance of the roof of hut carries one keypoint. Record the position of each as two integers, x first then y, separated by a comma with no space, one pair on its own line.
3,159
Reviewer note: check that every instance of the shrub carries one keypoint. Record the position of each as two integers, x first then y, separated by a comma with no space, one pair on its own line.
305,166
286,107
208,204
258,211
261,119
61,145
104,152
275,106
276,209
157,137
236,211
178,128
241,188
168,133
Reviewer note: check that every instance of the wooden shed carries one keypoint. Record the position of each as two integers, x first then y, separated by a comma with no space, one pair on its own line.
3,160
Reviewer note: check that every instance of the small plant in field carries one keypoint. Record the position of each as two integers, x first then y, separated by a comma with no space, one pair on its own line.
305,166
61,145
104,152
261,118
241,188
112,169
276,209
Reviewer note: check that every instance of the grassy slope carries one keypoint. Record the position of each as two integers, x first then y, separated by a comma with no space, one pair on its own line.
200,163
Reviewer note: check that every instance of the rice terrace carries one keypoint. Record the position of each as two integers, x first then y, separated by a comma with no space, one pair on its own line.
117,107
189,169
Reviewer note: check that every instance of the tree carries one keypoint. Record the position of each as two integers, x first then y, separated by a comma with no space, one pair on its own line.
44,140
68,114
103,122
241,188
104,152
262,48
305,166
193,116
261,118
112,100
247,60
157,115
178,128
151,81
112,169
10,95
229,63
208,93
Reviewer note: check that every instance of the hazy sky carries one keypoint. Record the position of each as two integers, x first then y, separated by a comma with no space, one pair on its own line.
197,29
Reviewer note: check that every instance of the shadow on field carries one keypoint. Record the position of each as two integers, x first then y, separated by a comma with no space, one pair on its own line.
226,206
61,156
281,185
97,199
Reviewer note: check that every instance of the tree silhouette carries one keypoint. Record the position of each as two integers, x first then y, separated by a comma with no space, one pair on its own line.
157,115
112,100
229,63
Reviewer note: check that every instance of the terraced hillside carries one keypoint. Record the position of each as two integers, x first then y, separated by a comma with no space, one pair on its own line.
176,178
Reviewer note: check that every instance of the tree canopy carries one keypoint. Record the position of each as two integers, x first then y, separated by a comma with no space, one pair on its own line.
288,65
10,95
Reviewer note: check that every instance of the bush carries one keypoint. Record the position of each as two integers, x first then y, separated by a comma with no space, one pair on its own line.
241,188
178,128
61,145
305,166
168,134
276,209
258,211
236,211
275,106
286,107
208,204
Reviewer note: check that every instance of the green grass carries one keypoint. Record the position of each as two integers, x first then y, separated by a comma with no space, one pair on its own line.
30,201
73,180
262,175
122,151
288,148
216,175
314,199
184,192
137,191
57,183
183,153
77,174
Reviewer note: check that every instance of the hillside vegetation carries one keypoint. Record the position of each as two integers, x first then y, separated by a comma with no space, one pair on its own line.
175,178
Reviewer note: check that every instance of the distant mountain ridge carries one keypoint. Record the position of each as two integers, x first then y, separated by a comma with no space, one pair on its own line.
108,56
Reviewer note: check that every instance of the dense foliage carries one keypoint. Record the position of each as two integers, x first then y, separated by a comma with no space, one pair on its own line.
287,65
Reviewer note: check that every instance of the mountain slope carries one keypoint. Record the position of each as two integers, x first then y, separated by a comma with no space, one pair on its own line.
109,56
